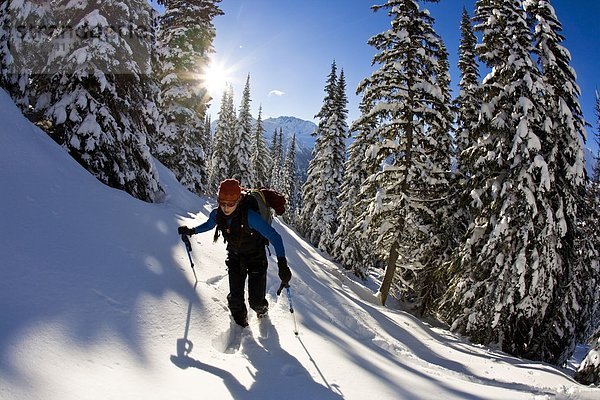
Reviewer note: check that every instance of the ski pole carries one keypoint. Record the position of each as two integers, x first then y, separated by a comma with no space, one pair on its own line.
289,296
188,247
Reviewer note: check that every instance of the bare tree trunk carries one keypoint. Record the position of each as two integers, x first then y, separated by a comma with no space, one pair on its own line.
390,271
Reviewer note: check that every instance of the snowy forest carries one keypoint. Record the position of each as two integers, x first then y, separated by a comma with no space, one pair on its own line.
476,210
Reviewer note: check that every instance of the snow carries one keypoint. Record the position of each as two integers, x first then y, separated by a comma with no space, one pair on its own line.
593,358
98,300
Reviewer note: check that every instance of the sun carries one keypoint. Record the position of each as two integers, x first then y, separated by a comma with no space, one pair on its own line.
216,77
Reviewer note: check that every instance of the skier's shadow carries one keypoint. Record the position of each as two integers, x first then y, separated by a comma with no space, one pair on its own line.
183,361
275,370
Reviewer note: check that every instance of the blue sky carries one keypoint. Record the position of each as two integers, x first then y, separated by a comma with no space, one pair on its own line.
287,47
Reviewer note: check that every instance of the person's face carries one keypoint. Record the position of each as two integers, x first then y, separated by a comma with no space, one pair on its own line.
228,207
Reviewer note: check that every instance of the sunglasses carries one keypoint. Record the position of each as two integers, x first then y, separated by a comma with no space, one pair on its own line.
227,204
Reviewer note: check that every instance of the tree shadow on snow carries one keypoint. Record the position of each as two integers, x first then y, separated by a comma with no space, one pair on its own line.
92,285
336,302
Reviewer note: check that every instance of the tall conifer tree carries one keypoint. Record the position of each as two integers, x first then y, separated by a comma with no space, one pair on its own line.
589,228
408,163
24,34
562,142
520,244
207,136
277,154
352,250
325,171
261,157
467,106
289,181
186,37
241,145
224,132
89,89
467,103
596,170
5,55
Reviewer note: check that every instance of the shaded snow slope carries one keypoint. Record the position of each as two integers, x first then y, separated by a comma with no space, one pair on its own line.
98,301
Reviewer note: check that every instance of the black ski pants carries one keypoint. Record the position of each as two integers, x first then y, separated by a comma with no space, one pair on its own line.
254,267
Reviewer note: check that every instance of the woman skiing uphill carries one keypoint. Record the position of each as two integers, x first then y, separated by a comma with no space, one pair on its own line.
246,234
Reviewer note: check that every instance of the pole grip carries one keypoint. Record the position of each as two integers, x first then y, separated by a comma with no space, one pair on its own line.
186,241
188,246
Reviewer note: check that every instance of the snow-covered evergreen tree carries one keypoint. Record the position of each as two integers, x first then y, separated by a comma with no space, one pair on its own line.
596,170
350,249
186,35
410,157
90,88
241,146
588,244
6,60
261,157
467,106
325,171
519,249
277,155
589,370
224,132
151,86
24,31
310,214
289,182
444,212
467,103
341,124
207,136
8,75
563,144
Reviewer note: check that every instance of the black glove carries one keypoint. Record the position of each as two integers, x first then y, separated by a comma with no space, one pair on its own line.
284,271
184,230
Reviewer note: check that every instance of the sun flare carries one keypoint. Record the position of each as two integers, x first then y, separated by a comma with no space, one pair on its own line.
216,77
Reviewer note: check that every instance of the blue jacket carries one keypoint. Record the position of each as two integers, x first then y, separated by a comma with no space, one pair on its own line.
255,222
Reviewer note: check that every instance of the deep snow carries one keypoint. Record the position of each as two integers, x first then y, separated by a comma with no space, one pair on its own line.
98,301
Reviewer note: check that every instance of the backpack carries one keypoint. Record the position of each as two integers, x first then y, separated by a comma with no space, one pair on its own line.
267,200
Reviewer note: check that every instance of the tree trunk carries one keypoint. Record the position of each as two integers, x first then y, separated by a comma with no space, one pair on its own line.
390,270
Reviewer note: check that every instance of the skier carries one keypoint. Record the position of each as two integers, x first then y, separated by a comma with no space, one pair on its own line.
246,234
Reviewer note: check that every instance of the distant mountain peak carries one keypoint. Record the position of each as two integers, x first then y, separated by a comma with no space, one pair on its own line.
292,125
289,125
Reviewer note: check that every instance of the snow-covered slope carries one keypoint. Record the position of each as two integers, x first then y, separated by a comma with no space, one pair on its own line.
98,301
